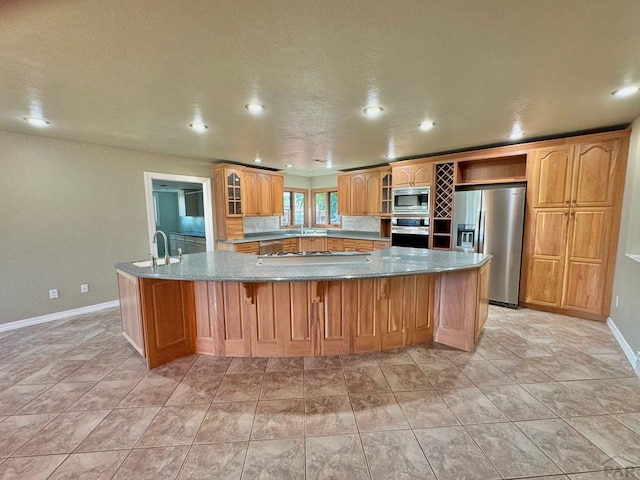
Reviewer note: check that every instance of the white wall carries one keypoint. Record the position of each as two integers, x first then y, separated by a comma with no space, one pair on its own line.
68,212
325,181
626,285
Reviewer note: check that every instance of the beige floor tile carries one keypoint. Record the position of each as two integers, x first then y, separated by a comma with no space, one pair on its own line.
16,430
227,422
454,455
518,370
402,378
194,389
321,363
324,382
94,370
472,406
15,397
510,451
224,460
152,464
247,365
278,385
378,411
275,460
427,353
568,449
329,416
53,372
561,400
516,403
285,364
278,419
444,375
105,394
90,466
425,408
395,455
16,372
64,433
149,392
56,399
359,360
394,357
630,420
240,388
335,456
206,364
610,436
365,380
133,368
121,429
483,373
491,349
31,468
174,425
608,397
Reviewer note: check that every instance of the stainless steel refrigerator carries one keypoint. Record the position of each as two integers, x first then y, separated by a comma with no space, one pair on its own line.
490,219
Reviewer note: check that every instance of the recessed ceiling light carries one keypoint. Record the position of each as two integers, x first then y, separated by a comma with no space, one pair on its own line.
255,108
426,125
257,160
626,91
373,111
516,135
36,122
288,165
199,127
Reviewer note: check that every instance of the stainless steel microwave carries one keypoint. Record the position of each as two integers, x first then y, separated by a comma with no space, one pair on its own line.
411,200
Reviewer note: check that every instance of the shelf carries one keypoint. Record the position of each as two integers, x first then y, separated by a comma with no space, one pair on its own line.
492,170
441,242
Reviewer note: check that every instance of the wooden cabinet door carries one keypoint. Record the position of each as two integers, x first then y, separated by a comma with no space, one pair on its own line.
402,176
169,316
422,174
264,194
551,185
344,194
587,255
250,190
455,309
372,194
131,310
233,192
231,312
547,254
386,198
364,334
358,194
390,312
339,305
594,171
277,194
317,244
267,337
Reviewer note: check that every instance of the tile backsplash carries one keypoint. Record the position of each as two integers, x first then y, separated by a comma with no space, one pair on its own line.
260,224
361,224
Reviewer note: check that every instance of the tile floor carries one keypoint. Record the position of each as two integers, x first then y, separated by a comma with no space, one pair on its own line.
542,396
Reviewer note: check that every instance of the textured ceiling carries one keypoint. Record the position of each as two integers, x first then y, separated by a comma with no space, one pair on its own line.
134,74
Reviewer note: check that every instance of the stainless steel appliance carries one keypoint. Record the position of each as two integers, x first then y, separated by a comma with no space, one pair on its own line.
490,219
414,200
410,232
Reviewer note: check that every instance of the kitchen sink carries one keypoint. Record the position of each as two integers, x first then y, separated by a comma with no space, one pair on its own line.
147,263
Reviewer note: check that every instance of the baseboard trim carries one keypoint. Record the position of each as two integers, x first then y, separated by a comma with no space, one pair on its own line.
27,322
626,348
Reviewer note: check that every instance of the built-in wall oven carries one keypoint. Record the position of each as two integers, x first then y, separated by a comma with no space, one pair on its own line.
410,232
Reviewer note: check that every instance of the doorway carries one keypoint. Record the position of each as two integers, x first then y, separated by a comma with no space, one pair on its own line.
194,202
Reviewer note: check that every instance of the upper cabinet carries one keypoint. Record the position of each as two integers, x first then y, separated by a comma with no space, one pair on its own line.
344,194
264,195
551,182
250,193
415,175
359,193
386,199
233,192
277,195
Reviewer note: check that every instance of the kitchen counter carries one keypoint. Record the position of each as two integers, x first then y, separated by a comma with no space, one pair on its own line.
222,303
224,266
295,233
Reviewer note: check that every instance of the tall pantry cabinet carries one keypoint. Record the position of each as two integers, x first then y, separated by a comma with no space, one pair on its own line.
573,208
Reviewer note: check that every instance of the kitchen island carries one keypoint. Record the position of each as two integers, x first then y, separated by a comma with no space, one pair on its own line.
223,303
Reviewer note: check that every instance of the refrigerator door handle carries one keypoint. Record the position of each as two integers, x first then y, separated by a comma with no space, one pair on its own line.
481,220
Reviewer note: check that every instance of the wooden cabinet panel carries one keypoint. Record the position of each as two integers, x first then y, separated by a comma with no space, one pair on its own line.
250,193
204,335
416,175
402,176
354,245
344,194
277,195
595,167
546,265
169,316
423,174
264,194
483,299
266,336
248,247
290,245
313,244
227,203
335,244
380,244
231,311
301,314
386,197
551,186
455,309
358,194
131,311
390,311
418,304
339,306
364,334
372,194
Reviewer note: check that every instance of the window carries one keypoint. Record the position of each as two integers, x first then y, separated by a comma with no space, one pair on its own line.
325,207
294,203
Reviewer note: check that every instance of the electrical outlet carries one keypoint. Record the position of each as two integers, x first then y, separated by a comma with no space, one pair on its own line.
84,288
617,301
53,293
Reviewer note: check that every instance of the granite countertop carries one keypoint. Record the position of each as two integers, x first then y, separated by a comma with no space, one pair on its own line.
240,267
295,233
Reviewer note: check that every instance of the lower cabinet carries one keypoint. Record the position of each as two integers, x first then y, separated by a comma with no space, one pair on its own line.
131,310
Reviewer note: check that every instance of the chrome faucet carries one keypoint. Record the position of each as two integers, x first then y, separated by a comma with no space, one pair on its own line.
166,245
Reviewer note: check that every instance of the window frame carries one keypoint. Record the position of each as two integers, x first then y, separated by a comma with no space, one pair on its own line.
291,191
326,191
